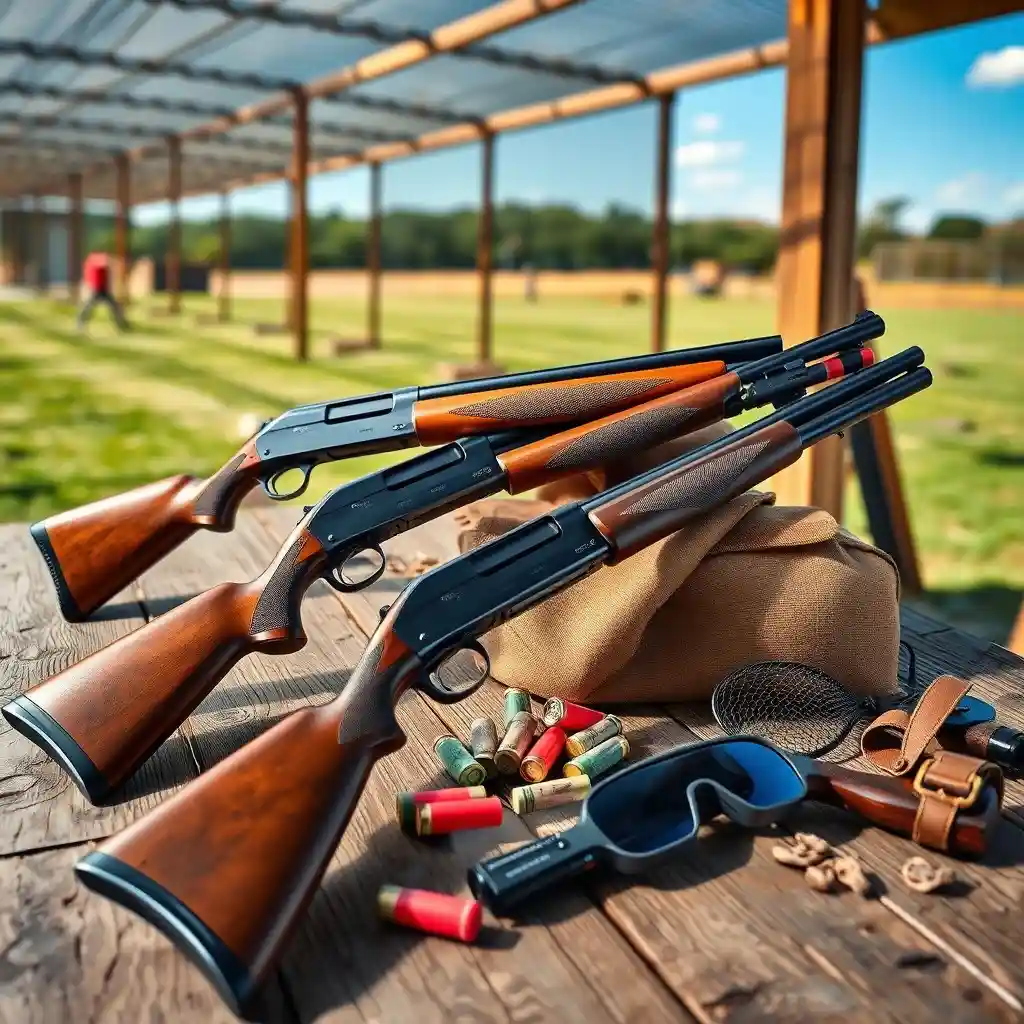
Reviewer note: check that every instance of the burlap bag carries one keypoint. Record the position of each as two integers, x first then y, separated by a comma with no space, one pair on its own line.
750,581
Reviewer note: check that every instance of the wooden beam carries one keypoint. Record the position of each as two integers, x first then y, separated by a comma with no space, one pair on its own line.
224,292
172,264
122,226
373,258
899,19
660,241
485,250
814,274
300,228
75,236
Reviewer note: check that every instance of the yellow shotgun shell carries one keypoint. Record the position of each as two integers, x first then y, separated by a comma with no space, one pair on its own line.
550,794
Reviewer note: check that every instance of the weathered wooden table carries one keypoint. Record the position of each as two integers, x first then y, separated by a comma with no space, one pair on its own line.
724,934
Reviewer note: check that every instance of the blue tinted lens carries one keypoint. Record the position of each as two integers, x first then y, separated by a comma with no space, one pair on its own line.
773,780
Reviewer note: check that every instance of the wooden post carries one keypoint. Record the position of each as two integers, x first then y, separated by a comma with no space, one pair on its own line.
485,250
37,245
816,255
224,293
75,236
660,241
172,263
300,227
373,258
122,227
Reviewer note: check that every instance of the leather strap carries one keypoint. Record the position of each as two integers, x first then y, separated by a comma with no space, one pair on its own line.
947,783
896,741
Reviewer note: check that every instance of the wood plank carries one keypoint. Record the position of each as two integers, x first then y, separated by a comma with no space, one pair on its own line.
332,972
730,944
68,955
40,805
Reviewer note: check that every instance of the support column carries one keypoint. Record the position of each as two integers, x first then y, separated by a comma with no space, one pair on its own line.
373,258
37,245
172,262
75,236
224,293
816,254
660,241
122,227
300,227
485,250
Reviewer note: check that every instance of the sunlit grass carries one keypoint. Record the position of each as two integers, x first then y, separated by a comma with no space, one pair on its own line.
86,416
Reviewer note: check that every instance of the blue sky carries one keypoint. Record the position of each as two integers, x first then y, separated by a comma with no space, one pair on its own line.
943,124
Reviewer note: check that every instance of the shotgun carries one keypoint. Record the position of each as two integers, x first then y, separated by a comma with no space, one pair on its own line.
94,551
226,866
101,719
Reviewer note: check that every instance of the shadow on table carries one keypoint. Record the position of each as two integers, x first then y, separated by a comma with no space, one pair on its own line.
154,606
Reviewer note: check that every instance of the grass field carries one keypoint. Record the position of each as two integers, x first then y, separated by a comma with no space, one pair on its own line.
84,417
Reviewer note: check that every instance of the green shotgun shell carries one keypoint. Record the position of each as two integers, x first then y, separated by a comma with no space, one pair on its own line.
483,742
515,702
549,794
515,743
458,762
599,759
593,735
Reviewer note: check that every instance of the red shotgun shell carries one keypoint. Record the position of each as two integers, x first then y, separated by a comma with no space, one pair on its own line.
431,912
406,803
541,759
457,815
571,717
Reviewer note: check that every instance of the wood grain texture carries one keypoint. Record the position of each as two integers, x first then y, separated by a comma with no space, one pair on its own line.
40,805
446,419
68,955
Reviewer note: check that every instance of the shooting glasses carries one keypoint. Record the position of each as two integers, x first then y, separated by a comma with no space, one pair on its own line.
640,817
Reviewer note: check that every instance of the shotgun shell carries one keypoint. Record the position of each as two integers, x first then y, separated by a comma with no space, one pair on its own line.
483,742
515,743
431,912
571,717
599,759
458,762
550,794
457,816
592,736
406,803
543,754
516,701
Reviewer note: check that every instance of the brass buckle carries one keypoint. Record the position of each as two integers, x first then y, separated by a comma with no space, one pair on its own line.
956,801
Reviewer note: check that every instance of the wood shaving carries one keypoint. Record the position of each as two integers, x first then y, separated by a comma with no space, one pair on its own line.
806,850
851,875
821,877
921,876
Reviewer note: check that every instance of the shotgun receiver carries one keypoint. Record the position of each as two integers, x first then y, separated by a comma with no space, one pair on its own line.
100,719
226,866
96,550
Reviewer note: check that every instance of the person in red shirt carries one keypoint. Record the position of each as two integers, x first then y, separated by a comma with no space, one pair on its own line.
96,277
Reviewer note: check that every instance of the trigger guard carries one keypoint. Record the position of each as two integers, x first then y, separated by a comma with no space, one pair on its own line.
342,587
431,684
271,491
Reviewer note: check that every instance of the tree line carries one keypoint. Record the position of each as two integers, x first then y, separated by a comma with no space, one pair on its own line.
549,237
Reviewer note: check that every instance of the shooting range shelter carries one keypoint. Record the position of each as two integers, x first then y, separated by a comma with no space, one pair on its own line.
163,100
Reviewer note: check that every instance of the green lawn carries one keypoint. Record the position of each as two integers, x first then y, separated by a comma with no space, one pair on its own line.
84,417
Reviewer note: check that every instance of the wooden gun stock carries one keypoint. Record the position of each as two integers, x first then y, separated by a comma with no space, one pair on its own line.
892,804
102,718
95,551
262,825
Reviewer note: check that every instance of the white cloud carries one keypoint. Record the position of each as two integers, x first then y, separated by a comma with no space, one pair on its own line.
715,179
708,153
706,124
999,69
1014,196
968,188
679,209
